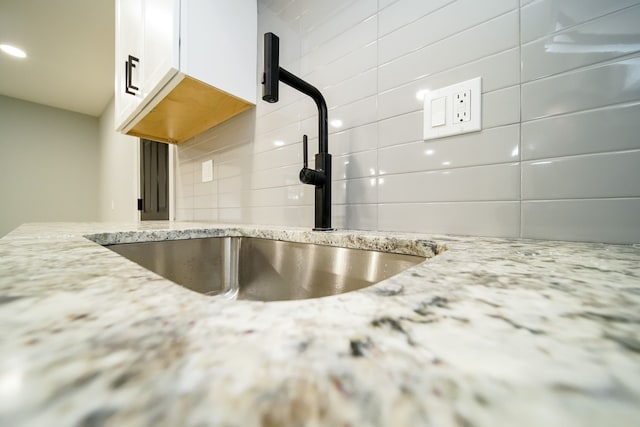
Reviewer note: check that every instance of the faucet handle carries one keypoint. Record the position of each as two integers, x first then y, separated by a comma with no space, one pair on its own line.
309,176
305,150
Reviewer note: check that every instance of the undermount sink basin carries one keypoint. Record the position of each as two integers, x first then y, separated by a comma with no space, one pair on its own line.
262,269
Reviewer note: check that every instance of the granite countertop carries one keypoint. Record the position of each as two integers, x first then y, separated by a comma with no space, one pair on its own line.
486,332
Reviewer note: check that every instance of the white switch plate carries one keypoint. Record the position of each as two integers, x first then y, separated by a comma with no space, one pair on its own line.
207,171
460,117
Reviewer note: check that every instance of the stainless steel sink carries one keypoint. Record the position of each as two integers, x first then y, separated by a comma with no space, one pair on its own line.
262,269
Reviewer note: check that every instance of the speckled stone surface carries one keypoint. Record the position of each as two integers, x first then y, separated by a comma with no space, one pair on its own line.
489,332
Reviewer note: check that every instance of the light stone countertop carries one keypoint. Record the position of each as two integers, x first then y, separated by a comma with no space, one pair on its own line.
488,332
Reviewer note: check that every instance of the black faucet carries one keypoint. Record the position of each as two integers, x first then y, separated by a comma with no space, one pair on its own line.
321,176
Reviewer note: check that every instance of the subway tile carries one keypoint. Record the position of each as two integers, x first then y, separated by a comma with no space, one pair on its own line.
361,86
357,217
185,202
275,177
230,200
478,183
355,165
361,112
605,38
292,11
496,145
596,220
233,215
205,214
494,36
354,38
292,216
498,219
350,65
207,201
497,71
501,107
284,156
610,129
282,117
404,12
292,195
185,190
184,214
400,129
354,191
345,19
587,88
353,140
229,169
236,154
287,135
231,185
317,13
549,16
444,22
203,188
581,177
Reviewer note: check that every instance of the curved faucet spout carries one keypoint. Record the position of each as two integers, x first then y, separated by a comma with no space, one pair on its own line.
321,176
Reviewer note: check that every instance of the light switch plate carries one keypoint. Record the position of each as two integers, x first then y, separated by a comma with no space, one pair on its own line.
462,113
207,171
438,111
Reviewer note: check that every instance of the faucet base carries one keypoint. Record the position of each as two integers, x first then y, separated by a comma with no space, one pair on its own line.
324,229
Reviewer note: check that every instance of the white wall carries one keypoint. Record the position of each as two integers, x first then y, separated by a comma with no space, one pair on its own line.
48,164
558,156
119,179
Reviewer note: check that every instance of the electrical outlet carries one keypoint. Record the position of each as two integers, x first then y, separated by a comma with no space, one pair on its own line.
462,102
462,109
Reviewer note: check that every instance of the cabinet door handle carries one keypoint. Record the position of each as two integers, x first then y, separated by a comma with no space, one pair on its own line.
128,74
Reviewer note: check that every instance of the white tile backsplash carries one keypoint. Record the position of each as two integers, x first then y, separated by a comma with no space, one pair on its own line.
581,177
496,145
544,17
582,133
501,219
496,35
595,220
557,158
452,18
586,88
481,183
577,47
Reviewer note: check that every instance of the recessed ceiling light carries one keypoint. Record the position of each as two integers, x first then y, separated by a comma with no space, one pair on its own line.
13,51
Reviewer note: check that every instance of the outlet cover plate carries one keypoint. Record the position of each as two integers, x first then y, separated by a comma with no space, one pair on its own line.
207,171
473,106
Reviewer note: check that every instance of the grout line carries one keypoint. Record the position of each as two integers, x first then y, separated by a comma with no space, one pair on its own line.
521,228
426,171
595,154
591,199
377,171
445,202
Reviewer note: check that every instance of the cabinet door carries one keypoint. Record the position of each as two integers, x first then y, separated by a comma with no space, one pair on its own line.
129,45
161,43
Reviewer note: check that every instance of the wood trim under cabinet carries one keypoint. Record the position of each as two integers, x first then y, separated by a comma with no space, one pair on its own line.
189,109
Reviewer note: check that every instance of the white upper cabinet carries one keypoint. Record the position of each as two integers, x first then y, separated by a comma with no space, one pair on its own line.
183,66
129,44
